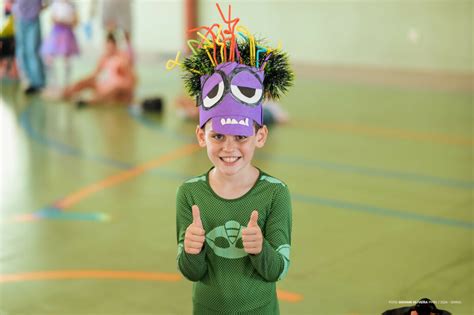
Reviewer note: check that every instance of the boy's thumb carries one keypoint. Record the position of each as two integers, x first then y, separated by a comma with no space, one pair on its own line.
196,216
253,219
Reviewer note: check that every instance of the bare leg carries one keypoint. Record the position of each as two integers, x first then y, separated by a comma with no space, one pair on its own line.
187,107
67,71
3,67
14,69
86,83
130,51
113,95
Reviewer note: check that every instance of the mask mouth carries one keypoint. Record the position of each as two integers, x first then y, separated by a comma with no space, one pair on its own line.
232,121
233,125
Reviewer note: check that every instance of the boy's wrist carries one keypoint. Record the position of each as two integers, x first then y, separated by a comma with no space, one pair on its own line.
264,245
201,254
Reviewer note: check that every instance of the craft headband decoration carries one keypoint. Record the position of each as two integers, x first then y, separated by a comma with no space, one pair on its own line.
230,73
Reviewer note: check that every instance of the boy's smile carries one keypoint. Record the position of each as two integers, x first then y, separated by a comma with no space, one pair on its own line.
229,159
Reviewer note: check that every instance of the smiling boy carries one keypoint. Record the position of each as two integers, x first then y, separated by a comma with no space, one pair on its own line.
234,221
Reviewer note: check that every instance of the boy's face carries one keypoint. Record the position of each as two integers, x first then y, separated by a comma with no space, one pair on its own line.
228,153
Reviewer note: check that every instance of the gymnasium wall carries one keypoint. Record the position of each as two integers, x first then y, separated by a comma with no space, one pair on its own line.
413,34
402,34
434,35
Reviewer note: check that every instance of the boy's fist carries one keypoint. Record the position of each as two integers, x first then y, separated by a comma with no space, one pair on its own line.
195,234
252,238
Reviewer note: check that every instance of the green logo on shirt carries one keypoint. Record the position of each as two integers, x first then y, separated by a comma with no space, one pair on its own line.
226,240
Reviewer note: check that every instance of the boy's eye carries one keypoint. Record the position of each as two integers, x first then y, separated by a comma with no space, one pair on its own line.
218,136
240,138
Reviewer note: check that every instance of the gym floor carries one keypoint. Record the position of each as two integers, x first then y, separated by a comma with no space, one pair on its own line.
380,176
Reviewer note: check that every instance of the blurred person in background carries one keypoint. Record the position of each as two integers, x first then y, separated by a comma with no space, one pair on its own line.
61,41
117,18
113,80
27,42
8,67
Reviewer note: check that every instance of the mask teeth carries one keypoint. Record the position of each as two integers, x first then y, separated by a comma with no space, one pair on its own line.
232,121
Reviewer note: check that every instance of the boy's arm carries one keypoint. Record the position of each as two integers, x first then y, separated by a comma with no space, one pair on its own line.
273,261
193,267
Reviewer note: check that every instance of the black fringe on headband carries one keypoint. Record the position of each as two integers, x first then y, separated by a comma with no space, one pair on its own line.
278,74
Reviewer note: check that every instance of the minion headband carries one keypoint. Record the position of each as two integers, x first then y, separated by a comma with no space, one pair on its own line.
230,73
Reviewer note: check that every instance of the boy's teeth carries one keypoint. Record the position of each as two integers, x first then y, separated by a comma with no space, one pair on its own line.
230,159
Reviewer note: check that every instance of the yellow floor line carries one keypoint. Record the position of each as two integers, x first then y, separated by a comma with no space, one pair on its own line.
116,179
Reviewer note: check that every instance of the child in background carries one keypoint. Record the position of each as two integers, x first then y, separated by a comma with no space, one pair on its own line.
28,41
274,114
113,80
186,108
61,41
8,67
234,221
117,18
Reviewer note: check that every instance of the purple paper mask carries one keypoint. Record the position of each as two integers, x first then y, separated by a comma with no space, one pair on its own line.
232,97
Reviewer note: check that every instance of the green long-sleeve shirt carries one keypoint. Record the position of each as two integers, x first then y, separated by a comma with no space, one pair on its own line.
227,279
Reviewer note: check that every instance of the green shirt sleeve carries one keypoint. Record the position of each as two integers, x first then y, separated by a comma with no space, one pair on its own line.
193,267
273,261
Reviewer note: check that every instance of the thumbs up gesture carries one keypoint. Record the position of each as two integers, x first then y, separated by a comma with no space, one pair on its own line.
195,234
252,238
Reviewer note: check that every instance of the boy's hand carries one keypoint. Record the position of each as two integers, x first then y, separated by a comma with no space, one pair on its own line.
195,234
252,237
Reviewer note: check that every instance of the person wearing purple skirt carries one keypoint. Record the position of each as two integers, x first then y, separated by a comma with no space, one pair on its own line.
61,41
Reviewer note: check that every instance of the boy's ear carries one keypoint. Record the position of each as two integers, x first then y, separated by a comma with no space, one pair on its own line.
261,136
200,136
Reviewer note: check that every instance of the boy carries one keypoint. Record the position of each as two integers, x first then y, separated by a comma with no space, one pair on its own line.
234,222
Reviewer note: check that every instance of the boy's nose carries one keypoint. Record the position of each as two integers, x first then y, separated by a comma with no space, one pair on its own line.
229,144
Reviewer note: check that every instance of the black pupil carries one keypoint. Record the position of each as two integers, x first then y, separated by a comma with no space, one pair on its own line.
249,92
213,92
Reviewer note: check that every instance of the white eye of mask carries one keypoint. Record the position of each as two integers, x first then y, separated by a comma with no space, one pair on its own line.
214,95
246,94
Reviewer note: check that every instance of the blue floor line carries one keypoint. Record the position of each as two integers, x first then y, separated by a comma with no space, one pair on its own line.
454,183
62,148
382,211
53,213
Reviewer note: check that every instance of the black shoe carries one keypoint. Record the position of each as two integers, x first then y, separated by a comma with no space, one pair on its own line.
32,90
81,104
